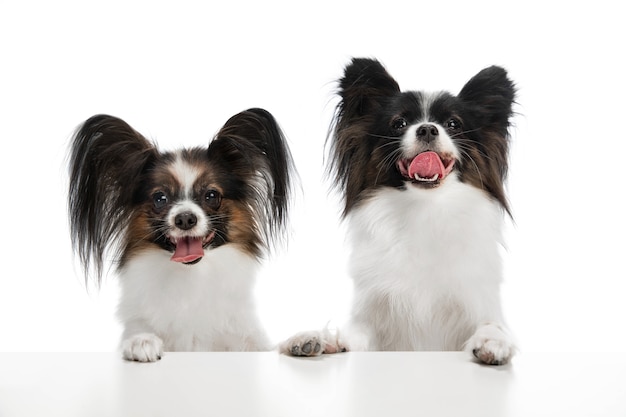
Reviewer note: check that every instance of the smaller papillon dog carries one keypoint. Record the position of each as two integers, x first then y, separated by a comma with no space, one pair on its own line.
186,230
422,176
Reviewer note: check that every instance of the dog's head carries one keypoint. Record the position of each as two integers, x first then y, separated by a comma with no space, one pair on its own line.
385,137
127,197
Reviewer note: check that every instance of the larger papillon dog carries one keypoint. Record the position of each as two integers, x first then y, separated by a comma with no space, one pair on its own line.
186,230
422,177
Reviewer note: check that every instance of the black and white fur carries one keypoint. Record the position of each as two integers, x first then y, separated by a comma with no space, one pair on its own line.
186,230
425,258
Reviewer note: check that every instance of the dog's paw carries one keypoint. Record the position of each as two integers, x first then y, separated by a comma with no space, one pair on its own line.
144,347
304,344
493,352
312,343
491,345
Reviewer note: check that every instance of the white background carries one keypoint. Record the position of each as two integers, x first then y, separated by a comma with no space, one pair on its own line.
176,71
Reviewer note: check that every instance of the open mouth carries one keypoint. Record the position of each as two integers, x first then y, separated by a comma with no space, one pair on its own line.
427,168
190,249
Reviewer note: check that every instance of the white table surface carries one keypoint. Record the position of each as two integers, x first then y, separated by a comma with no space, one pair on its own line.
349,384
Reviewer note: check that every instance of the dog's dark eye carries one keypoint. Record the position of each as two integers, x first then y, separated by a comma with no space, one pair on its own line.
453,124
213,199
159,199
398,123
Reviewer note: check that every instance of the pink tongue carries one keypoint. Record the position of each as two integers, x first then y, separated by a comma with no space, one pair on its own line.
427,165
188,249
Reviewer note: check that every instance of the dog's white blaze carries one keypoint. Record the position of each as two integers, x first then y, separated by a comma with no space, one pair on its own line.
426,102
186,174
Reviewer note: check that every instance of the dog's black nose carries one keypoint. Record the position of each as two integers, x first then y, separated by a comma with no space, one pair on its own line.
427,132
185,221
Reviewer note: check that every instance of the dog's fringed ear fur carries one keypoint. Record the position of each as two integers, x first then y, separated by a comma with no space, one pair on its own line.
365,84
107,156
490,96
364,90
493,94
252,145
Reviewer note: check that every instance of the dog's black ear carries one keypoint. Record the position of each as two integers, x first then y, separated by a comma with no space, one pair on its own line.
489,97
106,163
254,149
364,87
492,94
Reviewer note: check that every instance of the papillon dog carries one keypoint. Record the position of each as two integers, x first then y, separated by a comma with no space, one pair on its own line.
186,230
422,178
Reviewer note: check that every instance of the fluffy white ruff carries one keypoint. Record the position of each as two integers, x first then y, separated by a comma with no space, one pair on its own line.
427,270
209,306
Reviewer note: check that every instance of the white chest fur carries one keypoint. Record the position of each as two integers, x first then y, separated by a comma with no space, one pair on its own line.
207,306
426,265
